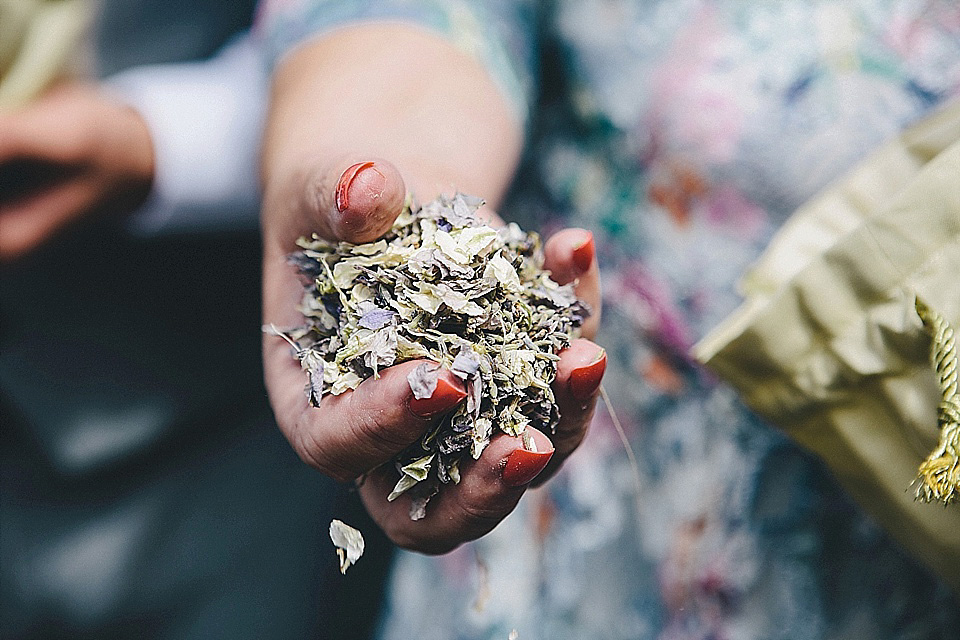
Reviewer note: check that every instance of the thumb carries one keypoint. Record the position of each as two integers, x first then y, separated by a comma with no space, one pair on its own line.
351,200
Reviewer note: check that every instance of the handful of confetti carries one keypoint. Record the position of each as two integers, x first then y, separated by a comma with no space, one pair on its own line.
444,287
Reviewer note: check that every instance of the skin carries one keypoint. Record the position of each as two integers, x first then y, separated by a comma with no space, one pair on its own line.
444,127
76,153
73,154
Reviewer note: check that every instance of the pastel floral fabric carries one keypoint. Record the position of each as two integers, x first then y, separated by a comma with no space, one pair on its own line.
684,133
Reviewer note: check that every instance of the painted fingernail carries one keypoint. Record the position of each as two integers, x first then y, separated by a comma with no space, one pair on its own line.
584,381
583,254
372,181
522,466
446,396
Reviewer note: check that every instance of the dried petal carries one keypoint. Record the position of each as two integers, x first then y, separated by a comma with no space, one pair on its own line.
349,543
376,318
423,380
441,286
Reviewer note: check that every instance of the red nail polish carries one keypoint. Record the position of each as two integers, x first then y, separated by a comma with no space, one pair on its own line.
584,381
522,466
342,194
583,255
446,396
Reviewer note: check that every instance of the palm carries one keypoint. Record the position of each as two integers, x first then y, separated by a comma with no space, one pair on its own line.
354,434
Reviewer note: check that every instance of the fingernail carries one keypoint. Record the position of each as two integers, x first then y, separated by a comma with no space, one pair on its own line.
446,396
584,381
373,182
522,466
583,254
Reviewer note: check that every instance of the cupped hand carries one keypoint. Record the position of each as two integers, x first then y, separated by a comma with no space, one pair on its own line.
74,153
352,435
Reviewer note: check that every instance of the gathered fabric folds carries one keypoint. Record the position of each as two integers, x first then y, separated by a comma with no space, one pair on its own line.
828,344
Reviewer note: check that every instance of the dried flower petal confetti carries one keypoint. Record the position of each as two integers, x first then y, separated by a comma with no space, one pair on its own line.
349,543
442,286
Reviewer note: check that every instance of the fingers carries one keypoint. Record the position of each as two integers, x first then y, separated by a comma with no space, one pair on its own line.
75,152
10,143
350,199
367,197
570,256
21,136
357,200
489,489
576,388
354,432
56,129
29,221
354,201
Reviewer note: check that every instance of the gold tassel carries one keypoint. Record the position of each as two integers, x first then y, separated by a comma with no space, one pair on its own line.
938,478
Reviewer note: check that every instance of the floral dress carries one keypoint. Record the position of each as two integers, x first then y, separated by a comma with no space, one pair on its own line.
684,133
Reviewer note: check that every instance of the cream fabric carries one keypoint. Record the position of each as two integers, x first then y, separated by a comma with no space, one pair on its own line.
828,345
39,42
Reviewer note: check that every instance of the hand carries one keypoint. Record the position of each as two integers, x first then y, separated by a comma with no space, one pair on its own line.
355,433
73,154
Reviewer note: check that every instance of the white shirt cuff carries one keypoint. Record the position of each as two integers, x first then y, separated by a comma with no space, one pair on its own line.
206,121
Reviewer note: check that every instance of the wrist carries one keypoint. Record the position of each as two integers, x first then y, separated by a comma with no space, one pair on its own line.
139,159
419,102
124,156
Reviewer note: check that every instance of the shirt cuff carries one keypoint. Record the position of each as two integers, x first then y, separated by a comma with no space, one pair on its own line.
206,121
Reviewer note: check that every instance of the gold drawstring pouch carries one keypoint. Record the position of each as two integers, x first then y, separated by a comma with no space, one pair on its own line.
829,345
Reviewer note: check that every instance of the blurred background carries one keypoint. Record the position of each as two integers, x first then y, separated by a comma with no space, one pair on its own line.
144,489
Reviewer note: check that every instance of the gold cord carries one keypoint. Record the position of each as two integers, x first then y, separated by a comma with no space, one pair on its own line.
938,477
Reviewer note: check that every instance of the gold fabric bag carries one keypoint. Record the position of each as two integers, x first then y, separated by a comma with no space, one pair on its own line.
39,42
828,345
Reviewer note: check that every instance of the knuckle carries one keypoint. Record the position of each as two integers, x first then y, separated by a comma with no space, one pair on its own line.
400,535
377,431
441,532
312,452
438,547
477,516
569,435
429,545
